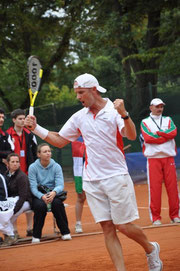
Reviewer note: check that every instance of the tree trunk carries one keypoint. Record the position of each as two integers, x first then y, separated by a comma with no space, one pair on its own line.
146,82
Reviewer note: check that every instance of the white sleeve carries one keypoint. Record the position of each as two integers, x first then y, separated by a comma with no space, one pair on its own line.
120,123
70,130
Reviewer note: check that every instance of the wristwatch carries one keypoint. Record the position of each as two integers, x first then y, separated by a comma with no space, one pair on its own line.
126,117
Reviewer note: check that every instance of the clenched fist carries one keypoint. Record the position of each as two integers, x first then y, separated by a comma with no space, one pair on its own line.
119,106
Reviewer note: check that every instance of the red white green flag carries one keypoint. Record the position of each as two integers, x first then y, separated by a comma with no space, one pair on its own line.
78,153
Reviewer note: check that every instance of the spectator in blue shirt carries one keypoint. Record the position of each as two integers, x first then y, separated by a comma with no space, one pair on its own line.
45,172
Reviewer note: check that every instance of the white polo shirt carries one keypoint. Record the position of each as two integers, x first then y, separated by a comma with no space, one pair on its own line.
103,141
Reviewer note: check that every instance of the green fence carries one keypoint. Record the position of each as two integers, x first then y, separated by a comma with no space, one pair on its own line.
53,116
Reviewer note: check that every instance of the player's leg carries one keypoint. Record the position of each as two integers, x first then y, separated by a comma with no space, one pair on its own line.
113,245
100,208
81,197
136,233
123,208
152,249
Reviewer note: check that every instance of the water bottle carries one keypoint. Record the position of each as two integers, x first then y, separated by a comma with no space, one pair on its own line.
48,205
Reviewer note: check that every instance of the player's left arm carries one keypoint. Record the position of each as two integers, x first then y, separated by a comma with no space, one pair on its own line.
129,129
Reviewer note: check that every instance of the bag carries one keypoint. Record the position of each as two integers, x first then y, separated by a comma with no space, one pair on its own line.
61,195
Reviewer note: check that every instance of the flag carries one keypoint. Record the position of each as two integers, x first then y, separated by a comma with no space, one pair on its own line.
78,152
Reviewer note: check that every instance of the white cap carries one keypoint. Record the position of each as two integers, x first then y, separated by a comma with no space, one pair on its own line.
87,80
156,102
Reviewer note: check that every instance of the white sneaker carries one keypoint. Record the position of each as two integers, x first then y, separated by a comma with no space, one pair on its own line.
175,220
66,237
157,223
35,240
154,262
78,228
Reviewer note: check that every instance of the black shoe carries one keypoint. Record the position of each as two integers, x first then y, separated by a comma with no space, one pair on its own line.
29,233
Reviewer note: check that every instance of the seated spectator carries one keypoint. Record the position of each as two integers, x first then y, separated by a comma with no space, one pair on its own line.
46,172
6,212
15,198
18,186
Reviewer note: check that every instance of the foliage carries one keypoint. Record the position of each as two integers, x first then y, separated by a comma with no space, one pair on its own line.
142,32
126,44
63,96
42,28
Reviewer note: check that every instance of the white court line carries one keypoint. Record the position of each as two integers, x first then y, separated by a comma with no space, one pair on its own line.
143,208
73,206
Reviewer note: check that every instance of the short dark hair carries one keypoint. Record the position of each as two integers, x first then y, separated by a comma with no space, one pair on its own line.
12,154
2,111
17,112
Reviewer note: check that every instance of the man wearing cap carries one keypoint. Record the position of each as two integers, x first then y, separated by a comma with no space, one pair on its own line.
160,148
106,181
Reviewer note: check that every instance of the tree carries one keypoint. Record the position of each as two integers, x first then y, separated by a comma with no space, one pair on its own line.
136,29
43,28
127,44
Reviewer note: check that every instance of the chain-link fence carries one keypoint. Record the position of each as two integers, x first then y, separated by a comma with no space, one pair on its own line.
53,116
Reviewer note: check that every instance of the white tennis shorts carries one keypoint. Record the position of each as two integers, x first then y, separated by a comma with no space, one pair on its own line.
112,199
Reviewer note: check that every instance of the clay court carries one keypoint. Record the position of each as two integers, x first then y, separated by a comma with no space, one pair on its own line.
86,252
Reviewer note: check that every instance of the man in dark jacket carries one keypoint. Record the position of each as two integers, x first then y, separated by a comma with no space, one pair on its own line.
6,144
26,147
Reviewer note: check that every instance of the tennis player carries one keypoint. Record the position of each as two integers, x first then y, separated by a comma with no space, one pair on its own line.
106,181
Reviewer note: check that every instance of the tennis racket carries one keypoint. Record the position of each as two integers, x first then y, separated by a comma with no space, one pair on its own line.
34,80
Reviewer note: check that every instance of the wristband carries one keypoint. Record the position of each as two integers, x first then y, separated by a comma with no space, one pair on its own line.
126,117
40,131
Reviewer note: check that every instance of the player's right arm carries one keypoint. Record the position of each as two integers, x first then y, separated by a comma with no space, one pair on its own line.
50,137
56,140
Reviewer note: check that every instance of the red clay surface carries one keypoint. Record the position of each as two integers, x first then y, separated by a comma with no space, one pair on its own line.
86,253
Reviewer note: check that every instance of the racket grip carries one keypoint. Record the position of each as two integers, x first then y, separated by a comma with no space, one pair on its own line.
31,113
31,110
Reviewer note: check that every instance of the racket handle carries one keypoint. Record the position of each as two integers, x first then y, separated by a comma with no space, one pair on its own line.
31,113
31,110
